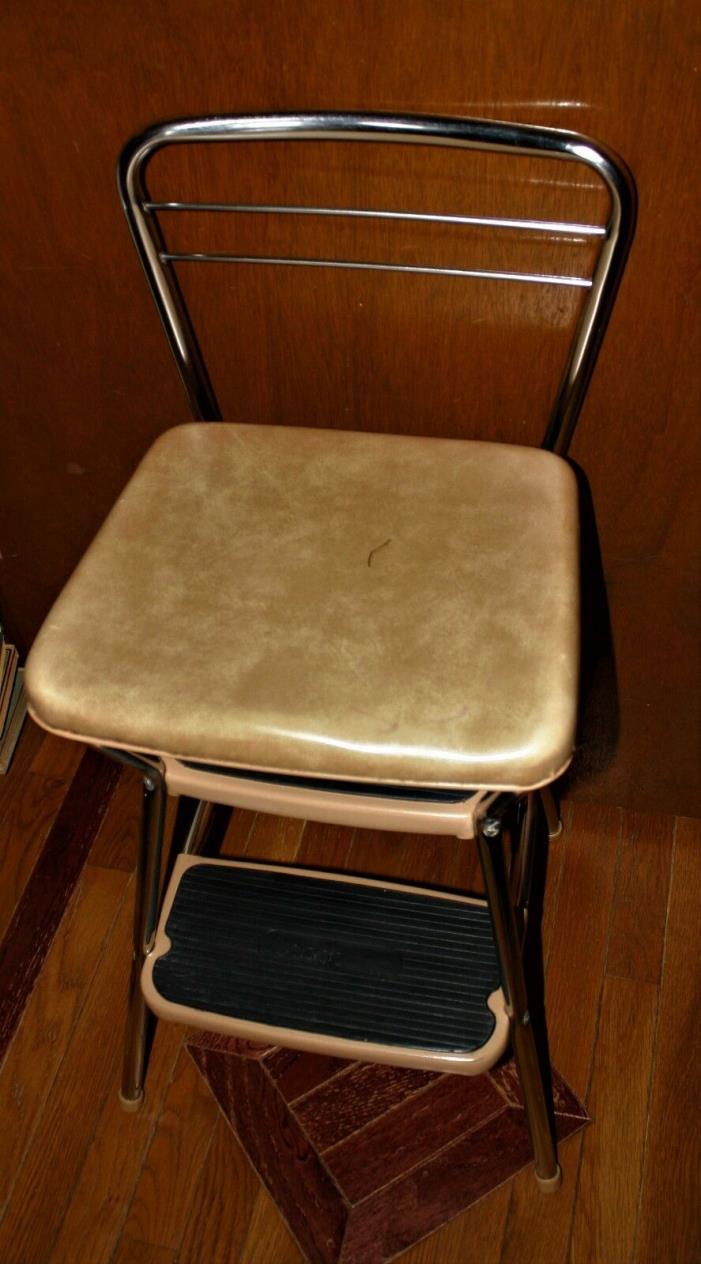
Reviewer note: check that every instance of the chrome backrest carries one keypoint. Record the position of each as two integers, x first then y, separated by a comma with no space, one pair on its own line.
613,238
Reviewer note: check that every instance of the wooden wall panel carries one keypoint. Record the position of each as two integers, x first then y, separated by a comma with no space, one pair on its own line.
88,380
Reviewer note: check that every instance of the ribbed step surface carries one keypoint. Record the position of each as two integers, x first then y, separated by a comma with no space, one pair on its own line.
344,959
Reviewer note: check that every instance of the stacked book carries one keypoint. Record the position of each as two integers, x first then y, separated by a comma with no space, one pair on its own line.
13,703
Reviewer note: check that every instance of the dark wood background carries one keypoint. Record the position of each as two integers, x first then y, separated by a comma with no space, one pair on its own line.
88,381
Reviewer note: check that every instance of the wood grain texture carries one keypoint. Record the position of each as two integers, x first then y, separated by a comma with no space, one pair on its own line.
474,1237
669,1226
26,752
376,1154
537,1230
174,1159
407,1210
325,846
269,1237
376,853
62,1136
443,862
26,824
641,898
222,1204
238,833
551,870
27,804
280,1152
350,1101
117,839
131,1251
606,1211
114,1161
370,1170
580,939
39,1046
274,838
57,758
297,1073
53,879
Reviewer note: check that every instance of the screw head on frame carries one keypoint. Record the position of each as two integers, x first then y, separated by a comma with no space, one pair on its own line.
491,828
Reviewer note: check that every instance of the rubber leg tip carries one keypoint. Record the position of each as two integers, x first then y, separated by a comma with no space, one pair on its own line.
131,1104
550,1184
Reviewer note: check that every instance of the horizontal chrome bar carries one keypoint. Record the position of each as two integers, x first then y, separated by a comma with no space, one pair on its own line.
483,221
538,278
466,134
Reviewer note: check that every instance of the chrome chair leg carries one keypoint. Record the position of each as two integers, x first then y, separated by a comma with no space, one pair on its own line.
552,815
148,874
533,1086
197,833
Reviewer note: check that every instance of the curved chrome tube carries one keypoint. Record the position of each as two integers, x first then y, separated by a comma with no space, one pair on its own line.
480,134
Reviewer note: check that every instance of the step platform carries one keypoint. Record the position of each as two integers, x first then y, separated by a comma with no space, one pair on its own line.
329,963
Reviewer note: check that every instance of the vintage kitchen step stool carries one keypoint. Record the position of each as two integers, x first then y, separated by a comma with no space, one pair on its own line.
367,629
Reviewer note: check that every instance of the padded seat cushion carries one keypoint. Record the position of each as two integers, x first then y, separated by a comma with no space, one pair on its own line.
362,606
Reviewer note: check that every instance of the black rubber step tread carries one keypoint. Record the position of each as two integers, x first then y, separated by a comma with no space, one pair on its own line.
337,958
421,794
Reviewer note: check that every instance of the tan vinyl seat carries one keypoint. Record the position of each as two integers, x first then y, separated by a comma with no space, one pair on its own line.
326,602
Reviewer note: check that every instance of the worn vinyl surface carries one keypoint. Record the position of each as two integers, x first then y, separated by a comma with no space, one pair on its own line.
369,606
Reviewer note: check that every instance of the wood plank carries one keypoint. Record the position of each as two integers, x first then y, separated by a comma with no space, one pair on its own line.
642,892
28,747
298,1073
553,874
33,1059
52,882
222,1206
117,839
88,1072
325,845
25,827
377,853
238,833
269,1238
609,1179
348,1102
113,1162
537,1228
410,1132
131,1251
670,1227
443,862
57,757
408,1209
580,940
474,1237
274,838
279,1150
174,1159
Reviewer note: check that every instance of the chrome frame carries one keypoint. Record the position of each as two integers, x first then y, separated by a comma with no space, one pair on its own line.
478,134
536,1098
189,834
615,238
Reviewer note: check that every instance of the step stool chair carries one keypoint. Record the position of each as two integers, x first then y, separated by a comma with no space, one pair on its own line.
367,629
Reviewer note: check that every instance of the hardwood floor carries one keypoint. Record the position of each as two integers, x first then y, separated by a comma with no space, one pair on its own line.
82,1181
